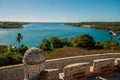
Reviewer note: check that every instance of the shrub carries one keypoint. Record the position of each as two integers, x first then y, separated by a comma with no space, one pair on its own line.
46,45
9,58
98,45
84,40
65,42
3,48
22,49
110,44
55,42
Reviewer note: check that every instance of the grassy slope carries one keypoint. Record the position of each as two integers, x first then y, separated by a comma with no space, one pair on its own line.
70,51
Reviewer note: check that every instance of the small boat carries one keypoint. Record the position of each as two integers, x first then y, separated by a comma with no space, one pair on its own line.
112,33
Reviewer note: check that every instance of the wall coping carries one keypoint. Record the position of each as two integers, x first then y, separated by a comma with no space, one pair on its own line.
77,64
106,59
11,66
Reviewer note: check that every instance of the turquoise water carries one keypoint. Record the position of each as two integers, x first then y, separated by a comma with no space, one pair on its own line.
34,33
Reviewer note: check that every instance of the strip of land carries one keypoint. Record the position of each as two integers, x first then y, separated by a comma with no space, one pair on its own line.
12,24
114,26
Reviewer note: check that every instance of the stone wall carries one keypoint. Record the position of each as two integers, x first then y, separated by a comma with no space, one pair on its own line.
118,61
99,63
76,68
14,72
62,62
50,74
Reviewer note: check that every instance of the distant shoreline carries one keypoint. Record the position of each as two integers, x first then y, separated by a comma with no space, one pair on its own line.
114,26
11,25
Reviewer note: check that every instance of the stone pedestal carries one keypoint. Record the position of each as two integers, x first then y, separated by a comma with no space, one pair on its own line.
34,64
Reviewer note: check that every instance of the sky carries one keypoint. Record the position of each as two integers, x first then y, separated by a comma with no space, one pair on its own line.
59,10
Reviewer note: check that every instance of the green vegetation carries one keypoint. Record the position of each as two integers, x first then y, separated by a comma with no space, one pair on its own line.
8,56
12,55
53,42
46,46
114,26
110,44
84,41
19,38
56,47
22,49
12,24
80,41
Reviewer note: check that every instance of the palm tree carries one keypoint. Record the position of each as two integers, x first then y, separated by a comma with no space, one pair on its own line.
19,38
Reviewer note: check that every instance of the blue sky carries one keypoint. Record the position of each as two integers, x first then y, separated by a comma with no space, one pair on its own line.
59,10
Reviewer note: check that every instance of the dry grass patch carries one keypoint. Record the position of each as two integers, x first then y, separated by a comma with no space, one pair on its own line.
71,51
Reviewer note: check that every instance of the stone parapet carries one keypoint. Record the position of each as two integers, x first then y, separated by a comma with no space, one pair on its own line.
62,62
13,72
76,68
16,72
99,63
50,74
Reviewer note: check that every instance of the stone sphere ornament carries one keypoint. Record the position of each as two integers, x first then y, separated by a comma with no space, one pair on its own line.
33,56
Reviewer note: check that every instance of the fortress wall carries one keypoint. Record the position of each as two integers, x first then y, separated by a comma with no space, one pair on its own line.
76,68
62,62
98,64
16,72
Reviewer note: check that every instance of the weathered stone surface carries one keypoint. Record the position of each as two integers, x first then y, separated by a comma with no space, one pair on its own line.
34,64
33,56
118,61
16,72
76,68
51,74
62,62
99,63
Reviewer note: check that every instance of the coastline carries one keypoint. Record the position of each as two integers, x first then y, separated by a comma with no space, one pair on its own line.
113,26
11,25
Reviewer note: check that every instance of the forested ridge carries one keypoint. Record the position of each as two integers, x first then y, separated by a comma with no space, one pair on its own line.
115,26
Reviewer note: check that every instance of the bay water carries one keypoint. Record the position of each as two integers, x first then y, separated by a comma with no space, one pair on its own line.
34,33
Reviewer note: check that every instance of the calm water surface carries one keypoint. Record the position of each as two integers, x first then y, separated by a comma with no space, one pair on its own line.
34,33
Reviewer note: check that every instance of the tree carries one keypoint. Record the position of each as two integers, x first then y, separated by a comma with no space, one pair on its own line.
22,49
55,42
65,42
19,38
84,40
110,44
46,45
98,45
